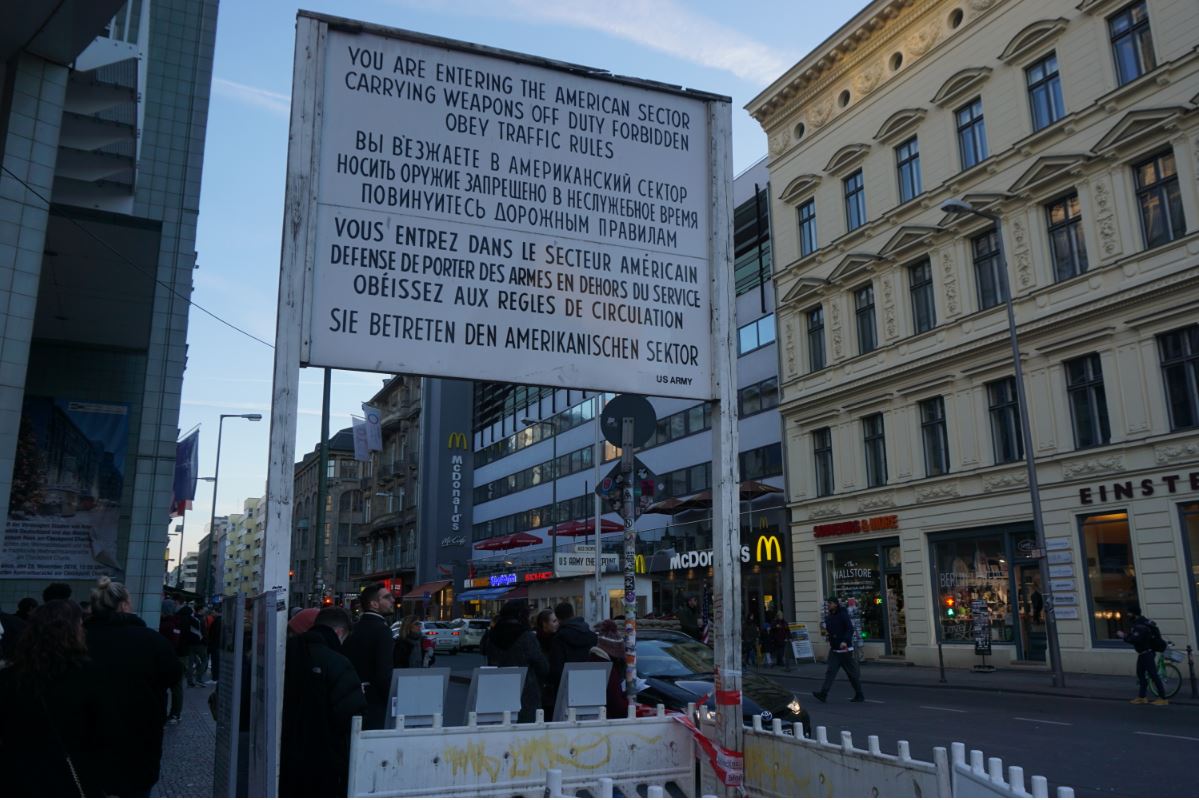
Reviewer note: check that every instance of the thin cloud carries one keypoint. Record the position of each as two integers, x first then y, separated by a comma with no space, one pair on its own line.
251,95
669,27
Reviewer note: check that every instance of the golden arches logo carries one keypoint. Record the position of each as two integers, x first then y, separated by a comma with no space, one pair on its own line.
457,441
774,548
639,564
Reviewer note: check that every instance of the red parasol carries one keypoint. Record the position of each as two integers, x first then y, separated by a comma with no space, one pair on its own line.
509,542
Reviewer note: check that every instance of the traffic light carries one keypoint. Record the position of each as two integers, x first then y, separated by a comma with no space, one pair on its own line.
949,606
328,601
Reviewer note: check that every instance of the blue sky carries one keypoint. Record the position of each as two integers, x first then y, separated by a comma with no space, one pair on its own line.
734,49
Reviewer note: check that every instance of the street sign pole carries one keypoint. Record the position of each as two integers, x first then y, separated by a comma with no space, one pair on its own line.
596,460
726,522
630,561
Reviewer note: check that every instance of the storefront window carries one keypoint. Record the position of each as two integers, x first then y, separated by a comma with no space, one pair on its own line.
1111,576
969,570
1190,528
853,573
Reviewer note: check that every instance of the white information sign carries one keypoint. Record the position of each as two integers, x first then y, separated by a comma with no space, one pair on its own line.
584,563
1058,543
1066,613
490,217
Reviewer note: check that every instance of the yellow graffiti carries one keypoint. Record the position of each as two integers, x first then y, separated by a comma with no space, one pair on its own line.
533,756
768,769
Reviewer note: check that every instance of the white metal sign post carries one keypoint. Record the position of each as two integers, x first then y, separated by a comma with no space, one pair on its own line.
463,212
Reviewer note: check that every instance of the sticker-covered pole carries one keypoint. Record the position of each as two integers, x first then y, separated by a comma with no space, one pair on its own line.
726,523
630,562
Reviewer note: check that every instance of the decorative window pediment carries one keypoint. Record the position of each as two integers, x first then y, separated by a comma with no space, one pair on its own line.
799,188
1136,125
983,201
804,288
1032,38
907,238
1098,6
1046,169
961,84
846,158
900,123
852,266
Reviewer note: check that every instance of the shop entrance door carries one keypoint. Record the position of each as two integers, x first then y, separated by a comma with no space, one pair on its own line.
1031,606
897,626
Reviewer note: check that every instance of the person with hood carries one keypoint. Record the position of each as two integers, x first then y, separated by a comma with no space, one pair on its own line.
52,725
409,651
1143,634
575,637
136,666
512,643
370,649
321,695
839,628
689,618
610,648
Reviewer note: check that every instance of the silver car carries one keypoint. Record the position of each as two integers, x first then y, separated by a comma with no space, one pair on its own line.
472,632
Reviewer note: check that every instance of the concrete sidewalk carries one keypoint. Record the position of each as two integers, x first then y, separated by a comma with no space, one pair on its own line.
1018,680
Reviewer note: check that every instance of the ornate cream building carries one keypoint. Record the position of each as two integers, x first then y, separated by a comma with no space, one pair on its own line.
1077,124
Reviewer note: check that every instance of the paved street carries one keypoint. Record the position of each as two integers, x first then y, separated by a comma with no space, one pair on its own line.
187,749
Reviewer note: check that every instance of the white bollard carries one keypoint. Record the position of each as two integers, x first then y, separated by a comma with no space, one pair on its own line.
846,741
1065,791
821,734
553,783
995,770
776,727
632,712
757,723
539,717
507,717
1015,779
654,791
959,753
976,762
438,720
872,743
1040,786
905,750
472,719
605,787
944,777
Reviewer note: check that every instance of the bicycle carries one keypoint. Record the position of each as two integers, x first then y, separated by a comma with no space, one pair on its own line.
1171,675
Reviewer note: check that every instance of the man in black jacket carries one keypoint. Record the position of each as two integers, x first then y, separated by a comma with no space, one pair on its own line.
1142,635
839,628
573,635
370,649
321,695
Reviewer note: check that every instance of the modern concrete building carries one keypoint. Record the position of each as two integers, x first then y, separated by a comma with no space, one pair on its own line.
1076,124
535,470
189,571
243,555
103,107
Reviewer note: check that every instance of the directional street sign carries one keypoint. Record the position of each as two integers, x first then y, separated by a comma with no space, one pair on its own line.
646,486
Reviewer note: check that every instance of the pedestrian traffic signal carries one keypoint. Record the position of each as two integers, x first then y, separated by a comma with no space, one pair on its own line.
949,606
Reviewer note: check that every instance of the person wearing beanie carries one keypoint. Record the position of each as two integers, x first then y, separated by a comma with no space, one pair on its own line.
512,643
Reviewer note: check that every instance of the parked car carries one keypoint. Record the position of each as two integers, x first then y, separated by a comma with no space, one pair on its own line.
679,670
472,632
445,636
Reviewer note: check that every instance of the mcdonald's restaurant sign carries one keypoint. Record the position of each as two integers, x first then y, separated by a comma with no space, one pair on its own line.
768,548
457,441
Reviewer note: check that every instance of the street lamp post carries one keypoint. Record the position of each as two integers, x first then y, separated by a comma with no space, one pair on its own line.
553,426
1034,491
216,473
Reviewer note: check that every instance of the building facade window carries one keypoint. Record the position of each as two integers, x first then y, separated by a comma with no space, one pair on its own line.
757,397
1066,245
863,300
758,333
1132,44
972,568
972,133
807,228
1111,576
1179,350
816,338
1162,219
853,572
822,451
855,201
876,450
1190,535
936,437
1045,92
1088,404
907,163
1005,420
924,314
985,251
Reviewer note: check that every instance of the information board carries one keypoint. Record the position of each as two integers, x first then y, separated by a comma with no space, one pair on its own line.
980,615
228,696
489,215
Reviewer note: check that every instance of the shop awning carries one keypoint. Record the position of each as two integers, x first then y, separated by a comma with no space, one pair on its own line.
491,593
431,588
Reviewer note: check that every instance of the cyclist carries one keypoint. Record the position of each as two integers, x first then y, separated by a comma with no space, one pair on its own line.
1141,635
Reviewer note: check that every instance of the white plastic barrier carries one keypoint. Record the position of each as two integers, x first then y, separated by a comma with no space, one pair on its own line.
781,764
514,760
983,777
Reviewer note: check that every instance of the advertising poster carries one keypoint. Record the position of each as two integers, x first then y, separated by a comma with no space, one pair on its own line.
68,478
